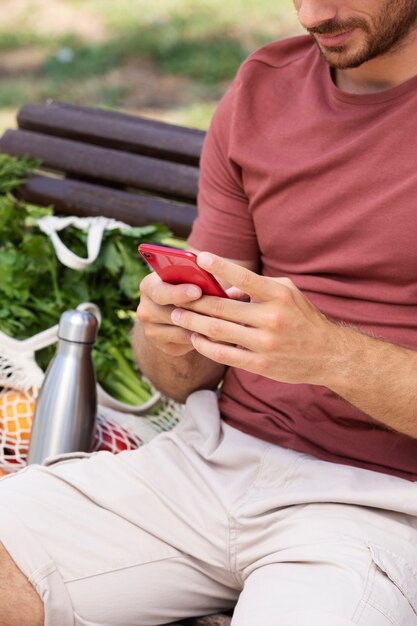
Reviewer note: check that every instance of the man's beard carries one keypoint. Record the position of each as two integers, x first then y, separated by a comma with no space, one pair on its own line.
386,34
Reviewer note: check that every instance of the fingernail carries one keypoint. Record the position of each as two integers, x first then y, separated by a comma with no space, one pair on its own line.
205,259
193,292
176,315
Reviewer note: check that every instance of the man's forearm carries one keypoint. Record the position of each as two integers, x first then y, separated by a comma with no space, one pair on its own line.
174,376
377,377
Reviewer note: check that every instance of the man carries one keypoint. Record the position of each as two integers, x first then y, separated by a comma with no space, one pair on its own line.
298,499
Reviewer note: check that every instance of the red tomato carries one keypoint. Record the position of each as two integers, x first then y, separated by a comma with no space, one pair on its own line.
114,438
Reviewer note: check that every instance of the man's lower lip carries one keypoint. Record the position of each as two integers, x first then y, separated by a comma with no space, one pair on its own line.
333,40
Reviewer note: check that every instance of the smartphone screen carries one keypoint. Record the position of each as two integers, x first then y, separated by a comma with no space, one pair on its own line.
177,267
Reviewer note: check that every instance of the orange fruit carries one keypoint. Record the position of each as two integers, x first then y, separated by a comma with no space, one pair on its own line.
16,415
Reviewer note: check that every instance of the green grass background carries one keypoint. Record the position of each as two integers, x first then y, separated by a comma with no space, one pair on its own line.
168,59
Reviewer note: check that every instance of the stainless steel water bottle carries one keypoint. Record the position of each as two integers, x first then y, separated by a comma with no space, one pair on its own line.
66,409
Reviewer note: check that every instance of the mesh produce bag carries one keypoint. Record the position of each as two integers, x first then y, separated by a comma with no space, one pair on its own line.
115,431
16,412
119,426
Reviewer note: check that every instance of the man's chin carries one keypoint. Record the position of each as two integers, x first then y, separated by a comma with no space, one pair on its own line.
340,59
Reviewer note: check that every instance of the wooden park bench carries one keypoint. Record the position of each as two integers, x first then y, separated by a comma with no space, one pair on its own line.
98,162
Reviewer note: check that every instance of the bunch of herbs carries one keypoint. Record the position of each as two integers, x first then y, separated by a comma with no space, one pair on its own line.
35,288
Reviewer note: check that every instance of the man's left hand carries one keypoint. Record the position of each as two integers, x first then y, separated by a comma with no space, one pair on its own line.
279,333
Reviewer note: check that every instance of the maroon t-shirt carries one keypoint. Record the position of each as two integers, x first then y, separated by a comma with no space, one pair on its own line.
320,186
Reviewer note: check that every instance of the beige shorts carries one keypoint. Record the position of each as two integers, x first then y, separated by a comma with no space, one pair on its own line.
205,516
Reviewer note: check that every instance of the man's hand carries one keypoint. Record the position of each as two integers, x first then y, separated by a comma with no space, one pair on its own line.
163,350
281,335
157,301
278,333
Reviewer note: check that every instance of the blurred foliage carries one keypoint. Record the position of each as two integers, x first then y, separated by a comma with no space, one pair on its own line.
208,60
121,55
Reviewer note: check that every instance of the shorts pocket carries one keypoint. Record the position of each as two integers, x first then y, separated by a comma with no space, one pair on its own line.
394,591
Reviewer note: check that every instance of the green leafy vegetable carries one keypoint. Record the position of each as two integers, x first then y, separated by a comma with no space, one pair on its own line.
35,288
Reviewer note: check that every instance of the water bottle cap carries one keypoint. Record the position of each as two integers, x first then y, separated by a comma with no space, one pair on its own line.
79,326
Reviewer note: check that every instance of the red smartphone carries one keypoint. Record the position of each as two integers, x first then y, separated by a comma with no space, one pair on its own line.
180,266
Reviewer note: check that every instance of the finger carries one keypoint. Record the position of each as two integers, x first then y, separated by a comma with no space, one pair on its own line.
217,329
150,313
236,294
256,286
243,314
164,334
224,353
222,308
259,288
164,293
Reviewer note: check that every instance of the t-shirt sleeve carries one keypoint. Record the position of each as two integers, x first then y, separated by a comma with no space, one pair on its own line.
224,225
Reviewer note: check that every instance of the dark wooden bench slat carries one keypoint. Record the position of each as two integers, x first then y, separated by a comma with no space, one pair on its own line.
132,170
85,200
114,130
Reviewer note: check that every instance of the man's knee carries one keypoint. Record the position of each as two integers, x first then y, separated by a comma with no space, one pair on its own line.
20,605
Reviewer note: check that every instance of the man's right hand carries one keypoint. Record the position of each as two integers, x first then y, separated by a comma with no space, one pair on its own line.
163,350
157,301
